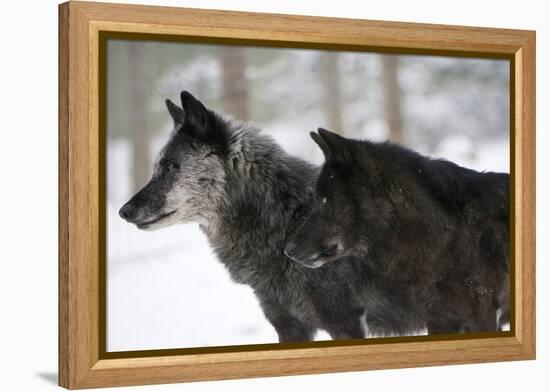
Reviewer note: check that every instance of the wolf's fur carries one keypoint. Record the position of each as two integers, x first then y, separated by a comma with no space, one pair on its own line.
248,196
433,236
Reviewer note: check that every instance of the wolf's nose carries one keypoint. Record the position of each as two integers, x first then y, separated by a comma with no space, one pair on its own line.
127,211
289,249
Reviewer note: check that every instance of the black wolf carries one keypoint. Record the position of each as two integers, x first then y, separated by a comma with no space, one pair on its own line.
433,236
248,196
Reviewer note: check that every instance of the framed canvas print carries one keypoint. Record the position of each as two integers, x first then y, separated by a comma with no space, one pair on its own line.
247,195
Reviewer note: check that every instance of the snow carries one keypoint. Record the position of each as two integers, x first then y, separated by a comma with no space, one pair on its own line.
166,289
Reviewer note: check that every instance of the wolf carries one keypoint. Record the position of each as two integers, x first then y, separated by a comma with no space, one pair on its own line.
433,236
248,196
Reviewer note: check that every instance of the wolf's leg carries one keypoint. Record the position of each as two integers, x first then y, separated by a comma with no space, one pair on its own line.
288,327
346,325
502,304
291,330
440,326
352,330
485,317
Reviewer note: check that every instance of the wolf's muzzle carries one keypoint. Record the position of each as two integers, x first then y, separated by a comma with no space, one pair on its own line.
127,212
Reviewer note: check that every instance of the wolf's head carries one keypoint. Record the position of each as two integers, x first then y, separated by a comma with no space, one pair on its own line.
188,175
336,225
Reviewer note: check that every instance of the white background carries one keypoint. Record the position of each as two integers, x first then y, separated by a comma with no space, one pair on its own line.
28,161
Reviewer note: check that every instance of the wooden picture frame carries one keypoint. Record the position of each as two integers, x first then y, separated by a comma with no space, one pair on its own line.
83,28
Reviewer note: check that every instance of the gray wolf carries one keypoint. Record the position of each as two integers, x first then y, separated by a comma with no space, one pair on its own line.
248,196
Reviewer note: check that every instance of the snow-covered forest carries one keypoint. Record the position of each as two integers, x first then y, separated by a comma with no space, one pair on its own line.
165,288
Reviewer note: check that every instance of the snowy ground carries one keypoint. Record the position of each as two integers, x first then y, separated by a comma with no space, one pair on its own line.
167,290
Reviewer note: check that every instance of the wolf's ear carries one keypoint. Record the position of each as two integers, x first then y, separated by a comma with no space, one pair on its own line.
321,143
178,115
334,146
196,114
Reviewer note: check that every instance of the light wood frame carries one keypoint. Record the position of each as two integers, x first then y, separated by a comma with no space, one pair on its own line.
81,362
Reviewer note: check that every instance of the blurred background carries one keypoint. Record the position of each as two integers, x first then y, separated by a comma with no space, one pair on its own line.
165,289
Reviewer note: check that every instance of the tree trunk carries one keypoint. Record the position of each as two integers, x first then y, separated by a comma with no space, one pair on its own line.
141,63
332,98
234,83
392,103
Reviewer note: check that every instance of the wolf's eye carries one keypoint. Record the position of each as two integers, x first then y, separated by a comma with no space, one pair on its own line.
172,167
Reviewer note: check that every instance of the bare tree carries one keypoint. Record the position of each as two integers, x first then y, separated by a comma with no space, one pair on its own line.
332,97
141,69
392,103
234,83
